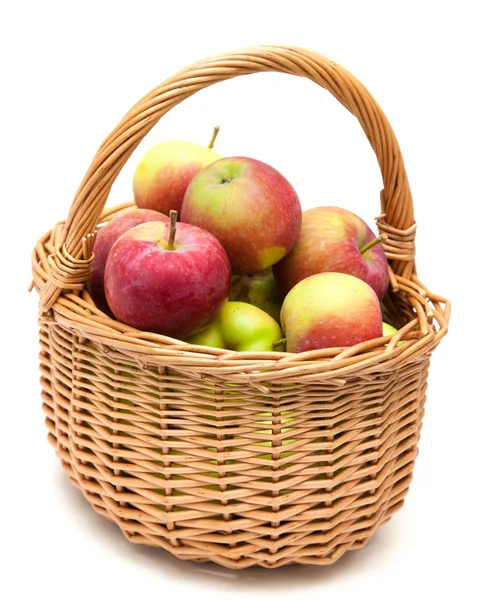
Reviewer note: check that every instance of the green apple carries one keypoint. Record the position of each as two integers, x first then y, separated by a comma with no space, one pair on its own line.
330,310
258,289
390,330
212,336
241,327
165,171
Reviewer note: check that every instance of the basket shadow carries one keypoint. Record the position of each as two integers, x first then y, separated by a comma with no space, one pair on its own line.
160,562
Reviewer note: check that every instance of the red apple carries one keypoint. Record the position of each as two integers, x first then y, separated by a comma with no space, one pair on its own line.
164,172
105,238
330,310
249,206
167,278
334,239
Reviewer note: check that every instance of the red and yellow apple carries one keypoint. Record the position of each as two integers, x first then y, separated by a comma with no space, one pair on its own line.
167,278
330,310
164,172
105,238
333,239
249,206
241,327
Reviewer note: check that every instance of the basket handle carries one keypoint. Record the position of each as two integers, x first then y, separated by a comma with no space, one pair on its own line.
70,264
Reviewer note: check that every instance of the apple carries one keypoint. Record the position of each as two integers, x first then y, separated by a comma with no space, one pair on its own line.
334,239
211,336
164,172
167,278
330,310
258,289
390,330
249,206
105,238
241,327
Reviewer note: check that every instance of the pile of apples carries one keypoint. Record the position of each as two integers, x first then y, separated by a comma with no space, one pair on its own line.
218,252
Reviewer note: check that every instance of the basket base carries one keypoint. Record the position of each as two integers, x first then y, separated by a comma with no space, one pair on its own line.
243,556
274,561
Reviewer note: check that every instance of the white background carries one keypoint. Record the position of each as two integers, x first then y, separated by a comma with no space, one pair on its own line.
69,72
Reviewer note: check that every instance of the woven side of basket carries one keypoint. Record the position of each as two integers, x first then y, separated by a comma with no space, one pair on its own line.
191,467
238,458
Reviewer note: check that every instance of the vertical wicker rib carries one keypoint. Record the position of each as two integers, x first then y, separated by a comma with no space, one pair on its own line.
238,458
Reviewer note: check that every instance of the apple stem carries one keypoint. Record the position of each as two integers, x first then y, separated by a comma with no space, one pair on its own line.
172,232
372,243
280,342
213,137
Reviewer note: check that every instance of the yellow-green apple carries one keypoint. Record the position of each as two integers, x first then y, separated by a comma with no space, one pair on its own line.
164,172
211,336
249,206
241,327
105,238
258,289
330,310
388,329
334,239
167,278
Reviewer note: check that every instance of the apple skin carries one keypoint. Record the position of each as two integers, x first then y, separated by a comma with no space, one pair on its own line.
175,292
241,327
258,289
105,238
164,172
249,206
330,240
390,330
330,310
211,336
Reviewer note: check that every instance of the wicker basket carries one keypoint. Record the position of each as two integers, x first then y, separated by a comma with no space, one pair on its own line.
237,458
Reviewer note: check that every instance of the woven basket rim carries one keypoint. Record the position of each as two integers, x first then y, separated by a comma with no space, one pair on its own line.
76,311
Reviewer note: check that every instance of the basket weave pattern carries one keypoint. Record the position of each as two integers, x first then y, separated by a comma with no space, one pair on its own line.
238,458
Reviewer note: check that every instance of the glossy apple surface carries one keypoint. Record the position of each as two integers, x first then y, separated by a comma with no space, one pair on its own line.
165,171
249,206
175,292
241,327
258,289
330,310
105,238
330,240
